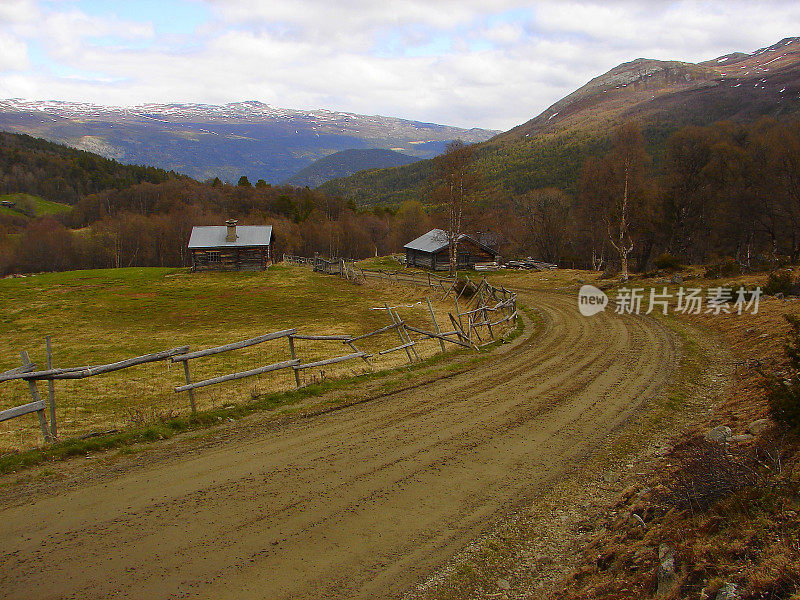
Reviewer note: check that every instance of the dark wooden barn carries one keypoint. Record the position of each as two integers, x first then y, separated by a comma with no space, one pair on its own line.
231,247
430,251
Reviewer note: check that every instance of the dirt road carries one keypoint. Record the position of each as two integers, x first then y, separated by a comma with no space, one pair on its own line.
362,502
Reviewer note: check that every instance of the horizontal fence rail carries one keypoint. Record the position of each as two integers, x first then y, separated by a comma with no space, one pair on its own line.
84,372
241,375
234,346
24,409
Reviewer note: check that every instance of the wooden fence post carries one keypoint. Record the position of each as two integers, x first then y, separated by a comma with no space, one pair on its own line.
35,395
435,324
399,333
188,382
51,390
404,333
458,312
488,322
294,357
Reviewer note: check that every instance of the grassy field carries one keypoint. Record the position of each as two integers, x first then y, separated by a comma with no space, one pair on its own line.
387,263
42,206
101,316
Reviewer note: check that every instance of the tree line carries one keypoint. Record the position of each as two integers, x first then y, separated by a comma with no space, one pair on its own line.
149,225
726,192
722,193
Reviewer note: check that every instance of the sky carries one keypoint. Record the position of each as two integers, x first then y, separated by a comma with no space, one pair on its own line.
470,63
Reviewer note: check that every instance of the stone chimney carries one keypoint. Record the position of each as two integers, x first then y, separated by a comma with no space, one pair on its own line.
231,225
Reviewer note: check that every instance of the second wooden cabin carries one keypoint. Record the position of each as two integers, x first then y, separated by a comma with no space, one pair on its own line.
430,251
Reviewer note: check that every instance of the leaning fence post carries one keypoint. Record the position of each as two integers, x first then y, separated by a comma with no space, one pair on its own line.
435,324
294,357
488,322
35,395
399,333
51,389
404,334
458,312
189,381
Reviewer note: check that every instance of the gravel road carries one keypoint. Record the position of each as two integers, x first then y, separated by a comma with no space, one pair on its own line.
362,502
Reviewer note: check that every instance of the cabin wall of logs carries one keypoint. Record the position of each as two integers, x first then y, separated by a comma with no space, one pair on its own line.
230,259
468,255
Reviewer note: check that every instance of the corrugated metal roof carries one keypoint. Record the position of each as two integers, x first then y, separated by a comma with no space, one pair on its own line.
436,239
433,241
214,236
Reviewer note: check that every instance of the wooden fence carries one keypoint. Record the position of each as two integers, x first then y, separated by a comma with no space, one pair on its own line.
297,260
335,266
487,306
480,309
434,282
30,375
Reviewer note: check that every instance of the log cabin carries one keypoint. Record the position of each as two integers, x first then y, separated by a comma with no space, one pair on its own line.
430,251
231,247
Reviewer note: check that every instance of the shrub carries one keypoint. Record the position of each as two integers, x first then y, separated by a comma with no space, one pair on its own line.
707,473
783,393
465,288
780,282
724,268
668,262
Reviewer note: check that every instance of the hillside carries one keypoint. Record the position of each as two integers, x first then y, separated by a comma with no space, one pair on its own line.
206,141
738,86
348,162
61,174
549,150
28,205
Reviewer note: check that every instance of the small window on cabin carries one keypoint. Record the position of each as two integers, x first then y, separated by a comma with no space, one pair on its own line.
213,256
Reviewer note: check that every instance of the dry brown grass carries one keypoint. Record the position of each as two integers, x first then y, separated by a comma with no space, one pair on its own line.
96,317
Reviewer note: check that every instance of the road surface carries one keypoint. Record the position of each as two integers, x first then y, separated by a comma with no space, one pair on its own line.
362,502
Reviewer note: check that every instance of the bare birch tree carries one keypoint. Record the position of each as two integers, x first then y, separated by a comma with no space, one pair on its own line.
618,191
457,183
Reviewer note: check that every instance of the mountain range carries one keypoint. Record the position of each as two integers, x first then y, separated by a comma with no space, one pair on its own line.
662,96
283,145
228,141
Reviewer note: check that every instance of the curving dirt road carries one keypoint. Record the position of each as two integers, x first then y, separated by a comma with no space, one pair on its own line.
362,502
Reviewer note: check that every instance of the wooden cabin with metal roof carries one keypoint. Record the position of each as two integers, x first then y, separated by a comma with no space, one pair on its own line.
231,247
431,251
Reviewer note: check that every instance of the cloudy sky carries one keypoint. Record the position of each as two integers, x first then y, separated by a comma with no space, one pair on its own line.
471,63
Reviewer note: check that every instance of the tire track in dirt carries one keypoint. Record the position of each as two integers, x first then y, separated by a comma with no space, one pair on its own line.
361,502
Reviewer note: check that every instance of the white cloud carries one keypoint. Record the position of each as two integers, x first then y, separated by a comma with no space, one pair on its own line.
13,53
459,62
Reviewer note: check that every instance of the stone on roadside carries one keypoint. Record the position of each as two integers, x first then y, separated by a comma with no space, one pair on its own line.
758,426
719,434
666,569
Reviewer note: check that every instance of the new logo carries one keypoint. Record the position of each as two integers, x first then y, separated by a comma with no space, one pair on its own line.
591,300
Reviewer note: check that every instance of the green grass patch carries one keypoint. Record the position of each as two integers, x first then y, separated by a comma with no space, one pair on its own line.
28,203
386,263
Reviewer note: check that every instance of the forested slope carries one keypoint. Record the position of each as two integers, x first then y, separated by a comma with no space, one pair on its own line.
63,174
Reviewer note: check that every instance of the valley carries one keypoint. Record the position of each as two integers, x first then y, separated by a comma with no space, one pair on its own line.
207,141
